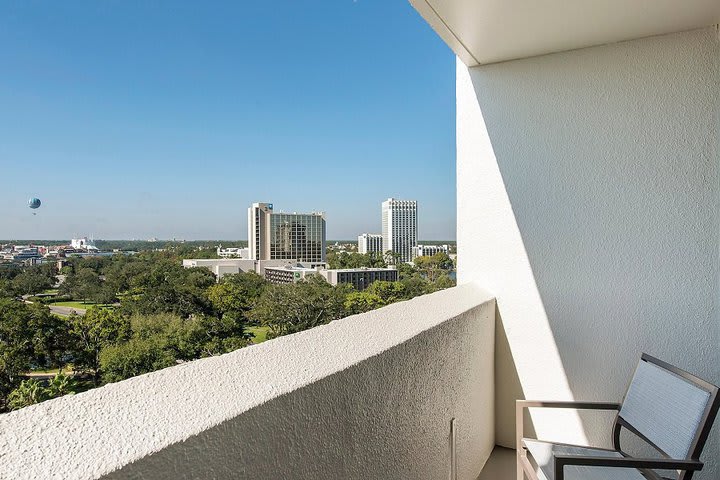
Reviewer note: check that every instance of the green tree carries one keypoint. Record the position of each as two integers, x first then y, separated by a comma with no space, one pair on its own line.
49,337
89,333
360,302
88,284
29,336
60,385
389,292
299,306
105,295
33,281
190,338
96,264
435,265
415,285
134,357
168,287
7,289
355,260
30,391
443,281
405,270
161,340
218,335
120,273
234,296
10,271
167,298
332,259
85,284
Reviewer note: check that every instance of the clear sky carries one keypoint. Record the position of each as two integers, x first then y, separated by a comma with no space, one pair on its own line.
140,118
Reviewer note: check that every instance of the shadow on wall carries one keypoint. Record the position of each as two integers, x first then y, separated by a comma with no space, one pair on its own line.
609,156
507,381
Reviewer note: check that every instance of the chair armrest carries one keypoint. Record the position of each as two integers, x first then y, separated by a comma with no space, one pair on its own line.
522,404
622,462
567,404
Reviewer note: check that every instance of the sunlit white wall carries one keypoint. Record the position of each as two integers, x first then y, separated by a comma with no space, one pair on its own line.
588,203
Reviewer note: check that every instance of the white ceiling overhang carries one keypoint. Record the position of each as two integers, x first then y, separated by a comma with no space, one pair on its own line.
490,31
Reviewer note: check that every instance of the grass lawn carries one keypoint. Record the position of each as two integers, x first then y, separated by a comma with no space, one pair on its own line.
82,305
260,333
67,370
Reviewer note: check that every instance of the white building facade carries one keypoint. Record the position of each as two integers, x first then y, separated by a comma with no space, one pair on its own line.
588,165
399,224
222,266
288,273
360,278
370,243
83,243
227,266
429,250
233,252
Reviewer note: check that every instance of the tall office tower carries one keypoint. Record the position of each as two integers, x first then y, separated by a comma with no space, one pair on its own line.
280,236
258,222
399,224
370,243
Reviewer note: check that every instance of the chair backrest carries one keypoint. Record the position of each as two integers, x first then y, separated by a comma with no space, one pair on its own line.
669,408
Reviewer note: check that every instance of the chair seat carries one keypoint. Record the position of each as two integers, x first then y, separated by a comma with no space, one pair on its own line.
541,454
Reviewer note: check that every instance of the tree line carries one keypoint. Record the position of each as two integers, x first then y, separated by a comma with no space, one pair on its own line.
152,313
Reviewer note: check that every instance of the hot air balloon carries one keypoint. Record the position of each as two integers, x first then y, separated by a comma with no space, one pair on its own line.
34,203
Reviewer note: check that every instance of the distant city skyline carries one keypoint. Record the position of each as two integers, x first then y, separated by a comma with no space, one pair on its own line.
167,119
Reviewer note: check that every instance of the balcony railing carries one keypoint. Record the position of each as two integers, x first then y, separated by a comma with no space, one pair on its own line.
369,396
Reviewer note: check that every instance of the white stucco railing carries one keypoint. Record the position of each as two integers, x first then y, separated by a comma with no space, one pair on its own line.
370,396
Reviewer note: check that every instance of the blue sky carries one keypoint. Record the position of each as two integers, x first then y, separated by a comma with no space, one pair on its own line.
137,119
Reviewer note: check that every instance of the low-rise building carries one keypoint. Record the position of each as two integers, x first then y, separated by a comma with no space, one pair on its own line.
360,278
222,266
289,273
83,243
22,252
370,243
229,266
429,250
262,265
233,252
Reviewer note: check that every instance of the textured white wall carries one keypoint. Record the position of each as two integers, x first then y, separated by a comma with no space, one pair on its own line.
367,397
589,204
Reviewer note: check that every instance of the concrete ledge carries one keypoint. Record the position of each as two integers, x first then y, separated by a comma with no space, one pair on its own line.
369,396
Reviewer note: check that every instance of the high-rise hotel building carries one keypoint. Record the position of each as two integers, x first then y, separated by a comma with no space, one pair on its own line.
399,227
280,236
370,243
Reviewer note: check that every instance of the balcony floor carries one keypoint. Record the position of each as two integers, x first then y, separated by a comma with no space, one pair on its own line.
500,465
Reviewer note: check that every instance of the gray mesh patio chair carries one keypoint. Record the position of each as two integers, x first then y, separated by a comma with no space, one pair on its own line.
666,407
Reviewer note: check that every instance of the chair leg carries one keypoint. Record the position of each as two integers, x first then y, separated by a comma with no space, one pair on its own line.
520,471
518,441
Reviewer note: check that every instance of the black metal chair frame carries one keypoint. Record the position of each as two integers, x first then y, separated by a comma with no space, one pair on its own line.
686,466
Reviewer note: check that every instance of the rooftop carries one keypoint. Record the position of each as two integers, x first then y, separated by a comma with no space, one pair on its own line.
490,31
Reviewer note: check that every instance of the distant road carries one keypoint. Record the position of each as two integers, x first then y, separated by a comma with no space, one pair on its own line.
65,311
58,310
